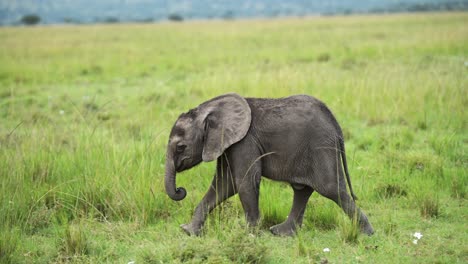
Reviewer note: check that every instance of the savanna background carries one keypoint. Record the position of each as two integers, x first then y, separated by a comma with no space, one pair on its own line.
86,110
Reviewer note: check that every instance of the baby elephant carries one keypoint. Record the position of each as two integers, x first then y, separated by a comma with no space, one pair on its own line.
294,139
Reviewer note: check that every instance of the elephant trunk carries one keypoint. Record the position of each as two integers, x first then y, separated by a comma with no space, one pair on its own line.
176,194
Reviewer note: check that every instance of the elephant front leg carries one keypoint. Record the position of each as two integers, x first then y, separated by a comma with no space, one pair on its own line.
207,204
249,200
294,220
249,191
221,188
212,198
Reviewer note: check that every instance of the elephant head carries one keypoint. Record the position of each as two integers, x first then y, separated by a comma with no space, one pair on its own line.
203,134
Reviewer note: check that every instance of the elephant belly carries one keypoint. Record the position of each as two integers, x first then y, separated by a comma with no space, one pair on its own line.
300,165
276,168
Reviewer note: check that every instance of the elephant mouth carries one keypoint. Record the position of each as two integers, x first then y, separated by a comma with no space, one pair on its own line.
181,166
187,163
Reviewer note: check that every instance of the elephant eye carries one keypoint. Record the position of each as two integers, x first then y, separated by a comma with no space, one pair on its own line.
180,148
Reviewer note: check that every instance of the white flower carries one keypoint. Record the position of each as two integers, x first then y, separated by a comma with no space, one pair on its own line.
417,235
131,262
61,112
415,241
326,250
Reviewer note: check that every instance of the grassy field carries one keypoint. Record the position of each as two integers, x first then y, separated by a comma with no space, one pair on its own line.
85,113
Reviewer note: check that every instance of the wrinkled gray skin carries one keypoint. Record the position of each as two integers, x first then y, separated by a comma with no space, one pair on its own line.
294,139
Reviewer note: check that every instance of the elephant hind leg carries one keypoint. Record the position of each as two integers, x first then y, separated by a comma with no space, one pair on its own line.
329,181
295,217
341,197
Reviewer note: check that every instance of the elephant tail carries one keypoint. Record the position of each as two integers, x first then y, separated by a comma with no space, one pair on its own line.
345,166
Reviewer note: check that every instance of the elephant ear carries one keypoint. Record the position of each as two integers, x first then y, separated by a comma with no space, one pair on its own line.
226,119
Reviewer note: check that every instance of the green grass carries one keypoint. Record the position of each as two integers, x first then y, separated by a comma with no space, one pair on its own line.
85,113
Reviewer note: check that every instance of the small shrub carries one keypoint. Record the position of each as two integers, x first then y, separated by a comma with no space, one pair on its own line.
40,218
417,163
236,247
324,57
390,228
302,249
104,116
94,201
31,19
244,248
349,230
447,146
75,241
422,125
175,17
150,256
187,254
92,70
8,246
458,188
429,206
41,172
391,190
111,20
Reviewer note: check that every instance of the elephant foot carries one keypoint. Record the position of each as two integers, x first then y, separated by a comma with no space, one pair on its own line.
190,230
284,229
366,228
